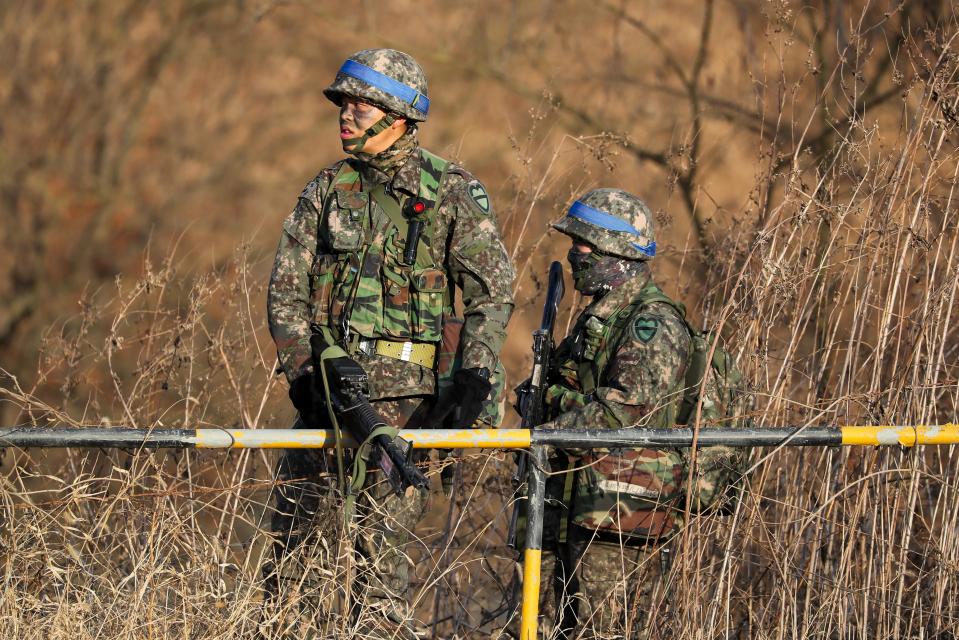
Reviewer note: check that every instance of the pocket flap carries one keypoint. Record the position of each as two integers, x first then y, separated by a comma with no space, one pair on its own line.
351,199
398,277
429,280
345,224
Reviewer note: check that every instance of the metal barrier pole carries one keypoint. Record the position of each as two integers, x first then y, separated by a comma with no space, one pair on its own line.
536,441
533,552
829,436
126,438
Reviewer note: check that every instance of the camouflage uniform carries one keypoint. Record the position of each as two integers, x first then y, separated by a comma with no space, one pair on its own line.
623,365
340,269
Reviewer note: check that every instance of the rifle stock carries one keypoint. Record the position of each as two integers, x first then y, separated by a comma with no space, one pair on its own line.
348,388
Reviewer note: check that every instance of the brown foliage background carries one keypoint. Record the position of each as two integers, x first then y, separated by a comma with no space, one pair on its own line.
801,160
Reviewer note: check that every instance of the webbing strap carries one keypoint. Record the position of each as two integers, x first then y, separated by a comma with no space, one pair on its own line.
695,372
332,351
652,293
697,363
382,124
347,174
395,213
432,172
391,207
358,475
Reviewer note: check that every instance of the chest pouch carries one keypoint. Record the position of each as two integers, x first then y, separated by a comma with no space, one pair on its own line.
568,357
593,336
347,220
396,289
593,339
355,304
429,291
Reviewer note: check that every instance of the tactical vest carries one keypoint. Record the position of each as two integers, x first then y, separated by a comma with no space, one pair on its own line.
725,401
596,341
364,288
639,492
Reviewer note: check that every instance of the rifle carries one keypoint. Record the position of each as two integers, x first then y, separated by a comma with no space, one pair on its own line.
531,396
348,397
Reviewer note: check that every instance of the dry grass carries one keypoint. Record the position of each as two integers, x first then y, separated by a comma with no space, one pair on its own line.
835,279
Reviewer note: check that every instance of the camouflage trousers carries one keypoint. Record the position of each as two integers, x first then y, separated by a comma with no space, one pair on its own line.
317,566
595,585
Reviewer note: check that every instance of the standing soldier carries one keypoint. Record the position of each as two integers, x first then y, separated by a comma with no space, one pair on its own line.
370,259
624,364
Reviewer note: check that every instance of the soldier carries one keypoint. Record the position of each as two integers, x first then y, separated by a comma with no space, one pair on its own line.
370,258
624,364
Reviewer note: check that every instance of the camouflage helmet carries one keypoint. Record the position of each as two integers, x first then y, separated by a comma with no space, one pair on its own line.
614,221
388,78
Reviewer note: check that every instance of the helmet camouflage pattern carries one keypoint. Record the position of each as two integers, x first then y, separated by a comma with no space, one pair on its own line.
387,78
613,221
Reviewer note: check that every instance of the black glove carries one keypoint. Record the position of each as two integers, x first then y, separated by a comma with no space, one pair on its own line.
463,402
522,396
301,394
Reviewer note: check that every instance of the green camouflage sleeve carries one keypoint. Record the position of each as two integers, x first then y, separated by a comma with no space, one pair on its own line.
481,267
288,298
641,376
717,469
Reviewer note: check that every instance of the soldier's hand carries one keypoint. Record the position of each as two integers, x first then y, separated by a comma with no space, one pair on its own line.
463,402
522,396
561,399
473,387
301,393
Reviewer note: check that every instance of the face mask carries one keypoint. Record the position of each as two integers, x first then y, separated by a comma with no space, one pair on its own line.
595,273
583,265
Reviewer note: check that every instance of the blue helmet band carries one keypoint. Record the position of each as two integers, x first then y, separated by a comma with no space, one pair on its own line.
648,250
606,221
386,84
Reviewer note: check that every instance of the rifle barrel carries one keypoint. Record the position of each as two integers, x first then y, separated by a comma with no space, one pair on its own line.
127,438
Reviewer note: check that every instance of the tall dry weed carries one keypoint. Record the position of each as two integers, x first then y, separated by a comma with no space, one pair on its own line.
835,282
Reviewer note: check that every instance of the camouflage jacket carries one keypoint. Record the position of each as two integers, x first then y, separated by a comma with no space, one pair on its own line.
624,365
337,231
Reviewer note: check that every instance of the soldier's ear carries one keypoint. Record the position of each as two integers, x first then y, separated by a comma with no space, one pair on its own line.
399,124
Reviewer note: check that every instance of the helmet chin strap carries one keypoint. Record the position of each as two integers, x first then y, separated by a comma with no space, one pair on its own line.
357,144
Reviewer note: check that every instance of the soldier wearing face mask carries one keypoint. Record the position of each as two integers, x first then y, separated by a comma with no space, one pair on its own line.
609,518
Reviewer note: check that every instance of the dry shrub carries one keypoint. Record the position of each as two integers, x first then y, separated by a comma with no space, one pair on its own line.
137,543
835,281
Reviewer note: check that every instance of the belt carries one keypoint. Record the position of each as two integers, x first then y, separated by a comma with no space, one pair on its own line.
421,353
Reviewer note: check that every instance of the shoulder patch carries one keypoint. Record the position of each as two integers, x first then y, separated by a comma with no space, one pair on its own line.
310,189
477,193
644,328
